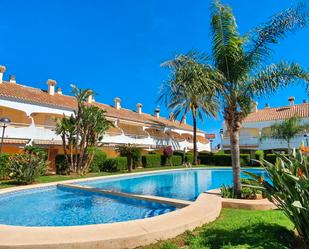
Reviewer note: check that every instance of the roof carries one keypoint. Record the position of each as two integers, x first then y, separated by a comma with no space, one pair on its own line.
279,113
38,96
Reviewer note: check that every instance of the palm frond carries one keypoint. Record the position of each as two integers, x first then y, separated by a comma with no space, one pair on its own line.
271,32
227,43
275,76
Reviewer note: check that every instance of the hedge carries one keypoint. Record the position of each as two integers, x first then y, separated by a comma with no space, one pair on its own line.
206,159
151,160
4,159
98,160
272,158
176,160
189,158
115,164
258,155
226,159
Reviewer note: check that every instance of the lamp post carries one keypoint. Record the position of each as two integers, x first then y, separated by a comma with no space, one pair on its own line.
4,122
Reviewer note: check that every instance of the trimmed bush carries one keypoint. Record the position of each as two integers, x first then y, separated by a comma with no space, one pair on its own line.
62,166
226,159
151,160
206,159
98,160
26,168
176,160
114,164
180,153
4,160
189,158
258,155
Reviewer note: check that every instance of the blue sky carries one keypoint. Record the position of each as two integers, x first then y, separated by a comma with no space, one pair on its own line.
116,47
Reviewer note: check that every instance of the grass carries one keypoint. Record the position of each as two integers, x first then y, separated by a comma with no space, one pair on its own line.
56,178
238,229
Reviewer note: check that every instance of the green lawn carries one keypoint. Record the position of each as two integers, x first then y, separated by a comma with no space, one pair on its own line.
237,229
55,178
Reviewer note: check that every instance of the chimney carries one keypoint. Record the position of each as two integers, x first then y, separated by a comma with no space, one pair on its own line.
139,108
291,100
117,103
2,71
51,86
59,90
90,99
305,101
267,106
254,107
12,79
157,113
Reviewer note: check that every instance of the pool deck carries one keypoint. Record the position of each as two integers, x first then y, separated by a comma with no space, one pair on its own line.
130,234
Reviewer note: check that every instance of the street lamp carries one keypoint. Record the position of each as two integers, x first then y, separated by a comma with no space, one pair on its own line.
4,122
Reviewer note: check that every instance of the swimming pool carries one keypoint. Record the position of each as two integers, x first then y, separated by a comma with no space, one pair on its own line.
57,206
182,184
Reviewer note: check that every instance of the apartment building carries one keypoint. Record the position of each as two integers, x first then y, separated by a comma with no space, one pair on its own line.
33,112
258,123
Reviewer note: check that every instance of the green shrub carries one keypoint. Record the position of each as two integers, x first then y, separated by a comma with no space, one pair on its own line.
206,159
226,159
114,164
4,160
222,160
258,155
189,158
26,168
180,153
288,188
271,158
33,149
62,166
151,160
176,160
98,160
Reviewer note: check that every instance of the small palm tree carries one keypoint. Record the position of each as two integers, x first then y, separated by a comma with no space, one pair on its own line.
286,130
240,59
132,153
191,89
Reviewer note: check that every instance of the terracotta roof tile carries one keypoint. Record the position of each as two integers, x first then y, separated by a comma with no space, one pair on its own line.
279,113
38,96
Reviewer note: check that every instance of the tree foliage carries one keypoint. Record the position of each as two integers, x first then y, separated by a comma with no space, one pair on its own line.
81,132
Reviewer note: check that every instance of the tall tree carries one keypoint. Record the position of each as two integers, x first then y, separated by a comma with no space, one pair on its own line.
241,59
191,89
286,130
81,132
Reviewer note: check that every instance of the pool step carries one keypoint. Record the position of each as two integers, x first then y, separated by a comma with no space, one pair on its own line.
163,200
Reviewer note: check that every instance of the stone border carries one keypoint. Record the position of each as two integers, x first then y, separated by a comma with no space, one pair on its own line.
130,234
119,235
261,204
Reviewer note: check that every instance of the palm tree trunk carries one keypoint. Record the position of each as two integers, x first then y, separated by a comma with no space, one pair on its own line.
235,153
194,139
130,163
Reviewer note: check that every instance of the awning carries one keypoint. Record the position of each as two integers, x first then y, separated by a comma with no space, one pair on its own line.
156,133
113,131
188,137
174,135
210,136
133,131
47,142
15,141
202,139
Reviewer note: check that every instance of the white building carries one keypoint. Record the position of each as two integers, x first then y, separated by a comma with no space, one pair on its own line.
258,123
33,112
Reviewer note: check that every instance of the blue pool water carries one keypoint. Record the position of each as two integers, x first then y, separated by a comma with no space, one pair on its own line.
184,184
57,206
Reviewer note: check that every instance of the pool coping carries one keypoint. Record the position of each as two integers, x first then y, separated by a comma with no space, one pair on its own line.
130,234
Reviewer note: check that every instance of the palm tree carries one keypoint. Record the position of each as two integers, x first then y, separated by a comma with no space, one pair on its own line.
191,89
240,59
286,130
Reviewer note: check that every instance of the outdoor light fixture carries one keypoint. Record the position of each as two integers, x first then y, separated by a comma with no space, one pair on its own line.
4,122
